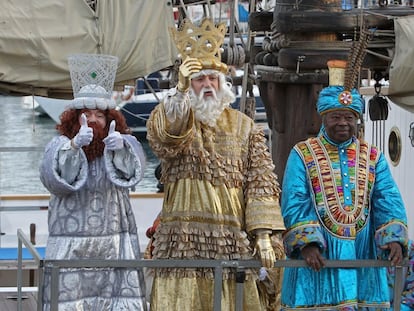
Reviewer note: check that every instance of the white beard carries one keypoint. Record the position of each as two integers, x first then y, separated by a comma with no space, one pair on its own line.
208,110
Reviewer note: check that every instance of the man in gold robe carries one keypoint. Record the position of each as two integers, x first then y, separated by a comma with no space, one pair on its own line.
221,194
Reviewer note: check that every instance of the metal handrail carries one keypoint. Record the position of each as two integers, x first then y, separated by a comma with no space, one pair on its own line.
218,265
23,239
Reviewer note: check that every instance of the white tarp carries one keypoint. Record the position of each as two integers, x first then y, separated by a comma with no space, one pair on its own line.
36,36
401,82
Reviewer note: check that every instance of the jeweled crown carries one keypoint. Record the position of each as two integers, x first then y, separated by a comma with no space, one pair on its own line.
203,42
93,77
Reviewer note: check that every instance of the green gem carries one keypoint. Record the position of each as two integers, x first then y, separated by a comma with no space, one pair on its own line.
93,75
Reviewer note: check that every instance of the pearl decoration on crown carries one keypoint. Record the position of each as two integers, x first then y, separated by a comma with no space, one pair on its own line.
203,42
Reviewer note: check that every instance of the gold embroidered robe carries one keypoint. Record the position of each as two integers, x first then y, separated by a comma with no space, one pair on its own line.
219,188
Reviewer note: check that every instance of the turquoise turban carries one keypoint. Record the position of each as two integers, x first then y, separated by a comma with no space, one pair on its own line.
336,97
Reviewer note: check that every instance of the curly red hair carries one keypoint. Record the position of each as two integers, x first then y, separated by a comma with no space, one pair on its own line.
69,126
69,122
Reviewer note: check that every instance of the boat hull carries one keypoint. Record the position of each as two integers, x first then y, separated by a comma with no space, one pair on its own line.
20,211
391,136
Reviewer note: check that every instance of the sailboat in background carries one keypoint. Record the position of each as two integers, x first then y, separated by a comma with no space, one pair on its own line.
52,100
37,36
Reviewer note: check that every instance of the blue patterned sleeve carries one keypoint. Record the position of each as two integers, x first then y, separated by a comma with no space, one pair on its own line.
298,209
390,217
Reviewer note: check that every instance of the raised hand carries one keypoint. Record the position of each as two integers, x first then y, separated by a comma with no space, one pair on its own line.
85,134
187,68
114,140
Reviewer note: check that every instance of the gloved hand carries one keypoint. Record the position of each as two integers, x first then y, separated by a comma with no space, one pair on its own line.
85,134
114,140
187,68
264,249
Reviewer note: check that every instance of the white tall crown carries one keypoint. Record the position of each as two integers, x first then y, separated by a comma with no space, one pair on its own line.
93,77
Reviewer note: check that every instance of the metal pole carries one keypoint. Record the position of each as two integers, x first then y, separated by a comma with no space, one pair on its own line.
19,275
398,287
54,290
240,277
40,289
218,286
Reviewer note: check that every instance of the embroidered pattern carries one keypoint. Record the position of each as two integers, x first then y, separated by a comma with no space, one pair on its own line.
323,166
345,98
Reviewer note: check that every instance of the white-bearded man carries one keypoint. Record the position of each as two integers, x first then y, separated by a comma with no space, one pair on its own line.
221,194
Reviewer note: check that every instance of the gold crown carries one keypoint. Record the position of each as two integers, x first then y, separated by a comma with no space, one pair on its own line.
203,43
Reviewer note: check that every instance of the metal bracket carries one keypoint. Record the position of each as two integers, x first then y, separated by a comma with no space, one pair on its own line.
299,60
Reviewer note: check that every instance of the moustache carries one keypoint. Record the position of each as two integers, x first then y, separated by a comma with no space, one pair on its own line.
205,90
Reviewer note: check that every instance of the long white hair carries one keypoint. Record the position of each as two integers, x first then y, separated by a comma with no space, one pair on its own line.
208,110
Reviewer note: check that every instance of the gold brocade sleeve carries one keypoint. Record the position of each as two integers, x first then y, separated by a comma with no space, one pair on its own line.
158,133
262,187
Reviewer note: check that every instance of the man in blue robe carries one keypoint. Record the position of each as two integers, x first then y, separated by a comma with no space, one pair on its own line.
340,202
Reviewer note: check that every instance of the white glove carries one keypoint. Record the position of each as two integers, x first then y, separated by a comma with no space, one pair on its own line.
263,274
187,68
85,134
265,250
114,140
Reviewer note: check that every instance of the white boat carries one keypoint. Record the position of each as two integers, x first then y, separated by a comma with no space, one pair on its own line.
46,106
20,211
34,53
395,137
137,109
53,107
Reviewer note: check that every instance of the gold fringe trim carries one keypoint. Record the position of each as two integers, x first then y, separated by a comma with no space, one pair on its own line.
178,240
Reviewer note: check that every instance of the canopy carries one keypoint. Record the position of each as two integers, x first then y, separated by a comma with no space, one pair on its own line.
36,37
401,86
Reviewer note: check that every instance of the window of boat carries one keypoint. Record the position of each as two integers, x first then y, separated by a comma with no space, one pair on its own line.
394,146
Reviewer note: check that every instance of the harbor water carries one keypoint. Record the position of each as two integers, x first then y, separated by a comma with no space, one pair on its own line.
23,137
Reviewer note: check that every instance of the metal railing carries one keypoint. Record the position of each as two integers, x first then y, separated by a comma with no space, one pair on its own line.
23,239
218,265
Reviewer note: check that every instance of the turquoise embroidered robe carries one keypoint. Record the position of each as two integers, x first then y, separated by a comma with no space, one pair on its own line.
344,199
